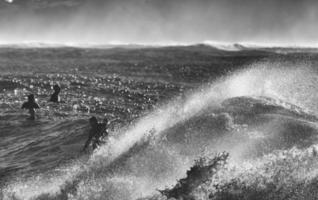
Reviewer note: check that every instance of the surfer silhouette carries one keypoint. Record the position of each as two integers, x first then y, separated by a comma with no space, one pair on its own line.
96,133
55,96
31,105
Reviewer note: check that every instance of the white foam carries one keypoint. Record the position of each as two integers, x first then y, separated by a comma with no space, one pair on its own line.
253,81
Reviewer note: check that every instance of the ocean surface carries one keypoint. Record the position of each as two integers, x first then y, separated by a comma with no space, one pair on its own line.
190,122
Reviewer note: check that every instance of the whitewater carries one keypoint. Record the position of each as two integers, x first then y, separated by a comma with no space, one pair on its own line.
264,115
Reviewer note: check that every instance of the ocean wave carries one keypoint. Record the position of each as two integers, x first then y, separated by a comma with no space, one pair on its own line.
242,114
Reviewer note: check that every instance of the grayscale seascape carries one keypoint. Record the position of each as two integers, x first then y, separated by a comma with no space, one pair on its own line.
197,102
205,101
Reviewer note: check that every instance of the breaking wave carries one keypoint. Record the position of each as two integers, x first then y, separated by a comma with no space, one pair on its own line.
263,116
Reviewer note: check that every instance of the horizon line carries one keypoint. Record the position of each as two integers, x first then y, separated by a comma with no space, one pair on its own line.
217,44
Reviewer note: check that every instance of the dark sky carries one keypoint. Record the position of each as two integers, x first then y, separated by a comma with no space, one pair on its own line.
291,22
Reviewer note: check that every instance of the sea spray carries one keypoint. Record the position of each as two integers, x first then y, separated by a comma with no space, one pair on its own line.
203,169
250,82
286,174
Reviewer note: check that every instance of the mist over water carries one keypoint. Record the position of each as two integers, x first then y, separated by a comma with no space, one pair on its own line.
167,106
245,110
155,22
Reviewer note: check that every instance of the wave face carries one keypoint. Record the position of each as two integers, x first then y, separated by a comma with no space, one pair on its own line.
264,116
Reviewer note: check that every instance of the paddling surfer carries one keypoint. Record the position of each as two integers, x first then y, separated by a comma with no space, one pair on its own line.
96,133
31,105
55,96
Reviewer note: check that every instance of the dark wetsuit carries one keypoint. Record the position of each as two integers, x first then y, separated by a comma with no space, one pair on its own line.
55,97
28,105
96,134
31,106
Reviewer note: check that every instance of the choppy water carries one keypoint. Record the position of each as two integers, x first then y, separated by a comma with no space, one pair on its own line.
264,116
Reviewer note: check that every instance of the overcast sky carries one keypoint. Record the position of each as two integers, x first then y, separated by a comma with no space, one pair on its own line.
293,22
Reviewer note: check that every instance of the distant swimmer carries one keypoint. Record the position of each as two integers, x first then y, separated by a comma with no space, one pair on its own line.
97,133
55,96
31,105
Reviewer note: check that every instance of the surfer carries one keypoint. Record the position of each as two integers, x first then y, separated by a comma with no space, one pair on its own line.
31,105
97,133
55,96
